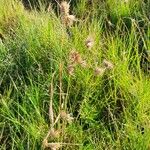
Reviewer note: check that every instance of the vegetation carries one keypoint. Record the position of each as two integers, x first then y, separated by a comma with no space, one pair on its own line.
75,75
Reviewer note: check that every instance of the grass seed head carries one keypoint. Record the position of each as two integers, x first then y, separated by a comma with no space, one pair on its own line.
71,19
55,146
64,8
55,133
52,146
108,64
70,70
45,142
89,42
68,20
83,64
99,71
49,9
66,116
75,57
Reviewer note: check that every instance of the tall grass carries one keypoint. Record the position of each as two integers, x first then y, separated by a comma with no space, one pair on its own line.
110,108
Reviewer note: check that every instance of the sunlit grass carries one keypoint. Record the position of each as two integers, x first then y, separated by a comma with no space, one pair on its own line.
106,90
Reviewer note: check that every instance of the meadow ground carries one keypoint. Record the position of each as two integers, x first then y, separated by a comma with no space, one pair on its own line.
75,76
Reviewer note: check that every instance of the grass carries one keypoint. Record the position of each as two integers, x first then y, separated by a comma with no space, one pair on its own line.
42,59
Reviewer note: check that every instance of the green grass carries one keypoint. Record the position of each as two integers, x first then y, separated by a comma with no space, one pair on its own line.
111,111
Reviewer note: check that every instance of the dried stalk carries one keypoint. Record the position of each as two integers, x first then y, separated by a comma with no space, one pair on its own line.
51,114
57,3
62,144
60,86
